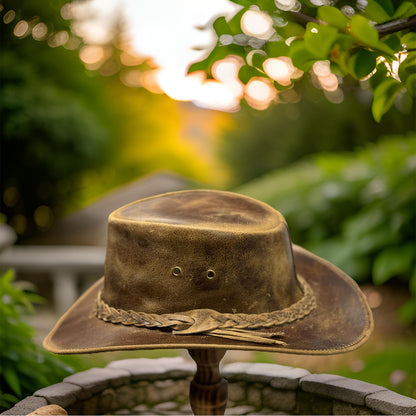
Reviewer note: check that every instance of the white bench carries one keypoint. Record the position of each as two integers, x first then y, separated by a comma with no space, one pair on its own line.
65,265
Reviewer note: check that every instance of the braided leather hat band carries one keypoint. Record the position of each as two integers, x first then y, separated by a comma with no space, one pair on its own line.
238,326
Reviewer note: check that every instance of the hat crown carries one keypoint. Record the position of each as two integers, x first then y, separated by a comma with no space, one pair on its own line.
203,209
199,249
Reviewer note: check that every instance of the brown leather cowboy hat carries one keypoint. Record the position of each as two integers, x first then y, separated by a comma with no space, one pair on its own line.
211,269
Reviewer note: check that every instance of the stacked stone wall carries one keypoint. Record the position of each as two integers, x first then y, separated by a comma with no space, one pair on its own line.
160,387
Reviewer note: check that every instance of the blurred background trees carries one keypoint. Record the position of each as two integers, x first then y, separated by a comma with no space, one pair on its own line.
75,123
80,117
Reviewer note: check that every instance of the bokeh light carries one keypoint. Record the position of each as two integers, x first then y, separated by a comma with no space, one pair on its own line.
258,24
21,28
9,17
92,54
131,78
286,5
39,31
218,95
259,93
43,217
58,39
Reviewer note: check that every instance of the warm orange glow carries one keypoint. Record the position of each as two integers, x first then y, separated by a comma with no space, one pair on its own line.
218,95
39,31
257,23
21,28
91,54
149,81
129,59
131,78
259,93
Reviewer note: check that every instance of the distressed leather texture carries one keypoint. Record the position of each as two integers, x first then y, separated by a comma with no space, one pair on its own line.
211,250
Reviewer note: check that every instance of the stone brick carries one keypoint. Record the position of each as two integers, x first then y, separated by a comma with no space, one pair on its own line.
288,378
90,406
262,372
27,405
127,396
153,369
186,409
107,401
254,396
391,403
342,408
97,379
167,390
339,388
235,371
240,410
284,400
311,404
237,391
166,406
62,394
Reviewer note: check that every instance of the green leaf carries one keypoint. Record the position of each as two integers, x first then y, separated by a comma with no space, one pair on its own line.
12,380
374,11
408,311
393,261
319,39
362,63
247,72
387,6
234,23
290,29
257,60
411,84
276,49
379,76
364,32
394,42
406,9
221,27
384,97
407,67
332,16
302,57
409,39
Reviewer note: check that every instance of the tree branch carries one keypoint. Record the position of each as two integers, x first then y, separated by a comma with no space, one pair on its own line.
383,29
396,25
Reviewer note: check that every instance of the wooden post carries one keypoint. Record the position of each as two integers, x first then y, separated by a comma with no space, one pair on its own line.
209,391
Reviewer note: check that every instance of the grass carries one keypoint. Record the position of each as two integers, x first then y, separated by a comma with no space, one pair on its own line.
393,368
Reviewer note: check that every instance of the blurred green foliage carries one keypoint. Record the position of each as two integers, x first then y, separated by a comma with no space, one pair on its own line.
70,134
359,39
261,141
24,366
393,367
355,209
53,125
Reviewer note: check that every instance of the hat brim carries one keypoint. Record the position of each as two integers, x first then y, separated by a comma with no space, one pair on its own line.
341,322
